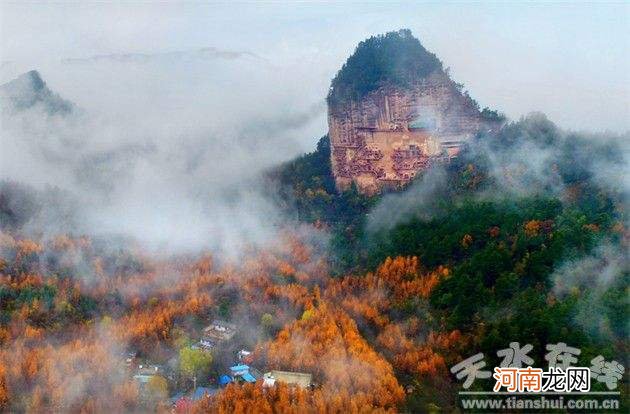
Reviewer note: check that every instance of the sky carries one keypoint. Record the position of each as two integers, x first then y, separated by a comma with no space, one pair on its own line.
569,60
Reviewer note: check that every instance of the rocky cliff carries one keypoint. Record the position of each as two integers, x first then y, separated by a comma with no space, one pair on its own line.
404,114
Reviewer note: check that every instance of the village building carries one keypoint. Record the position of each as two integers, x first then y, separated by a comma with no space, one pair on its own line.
183,402
243,373
144,373
245,356
299,379
201,392
204,345
218,331
130,358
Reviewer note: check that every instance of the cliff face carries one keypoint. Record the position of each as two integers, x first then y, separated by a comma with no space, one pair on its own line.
385,137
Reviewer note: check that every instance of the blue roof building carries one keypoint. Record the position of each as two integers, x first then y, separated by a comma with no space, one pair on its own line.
201,392
242,372
248,377
224,380
239,369
176,397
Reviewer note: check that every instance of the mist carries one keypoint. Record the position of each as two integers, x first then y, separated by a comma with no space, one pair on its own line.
420,201
528,157
169,148
591,280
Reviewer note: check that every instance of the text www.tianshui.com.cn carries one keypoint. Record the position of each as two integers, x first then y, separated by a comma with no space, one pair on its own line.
558,402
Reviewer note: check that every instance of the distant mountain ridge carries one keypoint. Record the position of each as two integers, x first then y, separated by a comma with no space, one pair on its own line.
29,90
201,53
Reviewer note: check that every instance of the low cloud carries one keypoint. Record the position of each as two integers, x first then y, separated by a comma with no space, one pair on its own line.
419,201
168,150
590,279
529,157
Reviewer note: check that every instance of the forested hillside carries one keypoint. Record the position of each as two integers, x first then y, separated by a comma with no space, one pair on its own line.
531,227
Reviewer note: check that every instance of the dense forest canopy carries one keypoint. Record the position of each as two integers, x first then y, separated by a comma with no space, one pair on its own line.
396,58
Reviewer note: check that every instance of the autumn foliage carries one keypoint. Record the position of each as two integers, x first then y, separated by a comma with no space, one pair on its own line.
328,344
75,311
